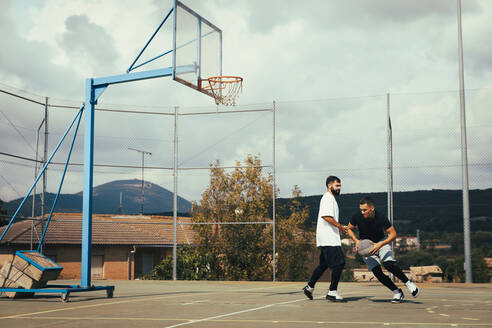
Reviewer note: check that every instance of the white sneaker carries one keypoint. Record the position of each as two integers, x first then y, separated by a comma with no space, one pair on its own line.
412,288
334,297
398,296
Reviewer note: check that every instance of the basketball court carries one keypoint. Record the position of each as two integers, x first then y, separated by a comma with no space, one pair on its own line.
251,304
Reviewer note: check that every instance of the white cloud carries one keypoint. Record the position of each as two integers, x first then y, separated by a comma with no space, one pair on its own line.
348,54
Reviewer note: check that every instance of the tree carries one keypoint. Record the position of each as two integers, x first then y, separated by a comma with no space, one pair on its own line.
190,265
480,272
229,246
293,243
244,195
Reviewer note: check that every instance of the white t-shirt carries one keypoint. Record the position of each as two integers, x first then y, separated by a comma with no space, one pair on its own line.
326,233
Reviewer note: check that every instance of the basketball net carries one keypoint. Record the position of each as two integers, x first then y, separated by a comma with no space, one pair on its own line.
225,89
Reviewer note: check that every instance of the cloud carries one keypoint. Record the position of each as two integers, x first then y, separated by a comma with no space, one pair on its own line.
88,43
328,64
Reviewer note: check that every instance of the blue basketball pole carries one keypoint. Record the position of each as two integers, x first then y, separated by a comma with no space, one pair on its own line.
88,183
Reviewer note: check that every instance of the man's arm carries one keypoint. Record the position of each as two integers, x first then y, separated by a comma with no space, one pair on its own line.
333,222
391,236
352,234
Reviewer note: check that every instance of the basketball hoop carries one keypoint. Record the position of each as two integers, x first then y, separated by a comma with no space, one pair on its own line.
225,89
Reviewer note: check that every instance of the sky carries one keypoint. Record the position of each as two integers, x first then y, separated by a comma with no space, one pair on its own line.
327,67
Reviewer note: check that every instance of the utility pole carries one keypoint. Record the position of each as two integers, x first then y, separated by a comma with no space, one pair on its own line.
120,207
143,152
464,157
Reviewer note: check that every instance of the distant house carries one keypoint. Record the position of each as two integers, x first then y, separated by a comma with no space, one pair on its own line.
123,246
488,261
428,273
364,275
407,243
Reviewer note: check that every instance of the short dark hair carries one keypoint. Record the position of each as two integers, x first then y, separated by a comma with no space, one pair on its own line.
331,179
367,200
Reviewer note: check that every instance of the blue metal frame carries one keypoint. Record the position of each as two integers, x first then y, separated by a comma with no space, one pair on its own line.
148,42
41,173
61,182
94,87
27,259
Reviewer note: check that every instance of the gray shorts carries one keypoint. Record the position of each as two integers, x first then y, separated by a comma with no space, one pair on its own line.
384,254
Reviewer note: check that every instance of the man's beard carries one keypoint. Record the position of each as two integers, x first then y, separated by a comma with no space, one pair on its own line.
335,192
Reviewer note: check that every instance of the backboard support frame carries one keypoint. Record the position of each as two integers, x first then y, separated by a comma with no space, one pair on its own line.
95,88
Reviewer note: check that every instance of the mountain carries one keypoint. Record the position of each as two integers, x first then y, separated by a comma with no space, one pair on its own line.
107,200
427,210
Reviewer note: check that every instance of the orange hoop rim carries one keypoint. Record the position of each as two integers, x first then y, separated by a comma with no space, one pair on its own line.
225,79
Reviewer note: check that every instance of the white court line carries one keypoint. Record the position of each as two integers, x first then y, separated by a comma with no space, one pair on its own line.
233,313
132,301
239,312
194,302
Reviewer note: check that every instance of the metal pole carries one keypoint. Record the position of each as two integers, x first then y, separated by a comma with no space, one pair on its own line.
143,188
86,264
389,133
274,264
175,189
45,158
35,176
464,157
143,192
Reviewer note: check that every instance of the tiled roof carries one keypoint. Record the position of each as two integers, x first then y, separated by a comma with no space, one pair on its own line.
422,270
66,228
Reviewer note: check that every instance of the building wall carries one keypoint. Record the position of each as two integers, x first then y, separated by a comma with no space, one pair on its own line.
115,259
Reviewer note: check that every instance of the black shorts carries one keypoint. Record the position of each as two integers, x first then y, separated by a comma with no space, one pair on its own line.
331,256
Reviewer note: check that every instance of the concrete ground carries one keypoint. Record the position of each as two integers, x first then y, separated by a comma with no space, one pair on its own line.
251,304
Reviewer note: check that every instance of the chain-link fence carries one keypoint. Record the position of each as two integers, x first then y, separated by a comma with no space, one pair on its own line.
301,144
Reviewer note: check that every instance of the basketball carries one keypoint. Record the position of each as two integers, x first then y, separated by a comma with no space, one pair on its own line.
364,247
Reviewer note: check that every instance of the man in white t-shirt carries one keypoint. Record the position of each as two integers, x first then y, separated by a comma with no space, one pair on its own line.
328,241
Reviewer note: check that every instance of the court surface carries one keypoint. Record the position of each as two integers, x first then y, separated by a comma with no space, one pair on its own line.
251,304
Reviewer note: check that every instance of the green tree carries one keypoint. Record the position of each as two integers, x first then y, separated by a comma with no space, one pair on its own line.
480,272
242,251
191,264
293,243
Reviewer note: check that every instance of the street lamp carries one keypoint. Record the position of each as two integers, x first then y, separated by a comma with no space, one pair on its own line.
143,193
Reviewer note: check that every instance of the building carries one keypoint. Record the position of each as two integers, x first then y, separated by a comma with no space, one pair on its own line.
123,246
488,261
428,273
364,275
407,243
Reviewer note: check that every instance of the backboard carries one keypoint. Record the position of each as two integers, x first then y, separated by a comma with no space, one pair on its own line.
197,49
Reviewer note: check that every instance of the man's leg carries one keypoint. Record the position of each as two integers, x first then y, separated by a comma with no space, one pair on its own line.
385,280
395,269
337,263
336,273
317,273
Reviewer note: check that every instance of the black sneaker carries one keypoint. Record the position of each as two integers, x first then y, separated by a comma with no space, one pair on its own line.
308,291
398,297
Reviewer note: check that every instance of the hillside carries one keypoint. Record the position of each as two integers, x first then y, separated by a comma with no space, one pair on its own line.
429,210
107,200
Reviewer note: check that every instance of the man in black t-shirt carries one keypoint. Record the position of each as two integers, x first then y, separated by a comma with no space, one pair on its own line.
372,225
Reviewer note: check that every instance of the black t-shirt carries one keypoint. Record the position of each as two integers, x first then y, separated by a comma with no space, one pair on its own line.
373,228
